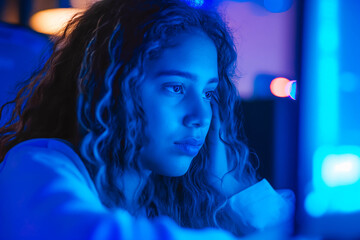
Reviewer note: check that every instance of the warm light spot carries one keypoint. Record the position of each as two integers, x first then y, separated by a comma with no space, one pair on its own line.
278,87
51,21
82,3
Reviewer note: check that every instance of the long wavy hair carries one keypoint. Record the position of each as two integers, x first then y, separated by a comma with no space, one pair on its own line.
88,94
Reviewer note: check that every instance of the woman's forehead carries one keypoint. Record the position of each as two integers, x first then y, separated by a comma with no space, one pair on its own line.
192,52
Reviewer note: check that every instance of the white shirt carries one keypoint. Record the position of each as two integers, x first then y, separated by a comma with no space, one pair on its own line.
47,193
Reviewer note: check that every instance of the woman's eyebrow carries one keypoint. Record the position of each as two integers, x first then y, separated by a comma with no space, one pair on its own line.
186,75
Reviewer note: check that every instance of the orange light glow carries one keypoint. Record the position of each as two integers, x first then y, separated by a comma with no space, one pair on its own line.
279,87
82,3
51,21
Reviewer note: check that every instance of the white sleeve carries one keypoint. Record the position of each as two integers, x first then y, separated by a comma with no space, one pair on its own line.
261,207
45,196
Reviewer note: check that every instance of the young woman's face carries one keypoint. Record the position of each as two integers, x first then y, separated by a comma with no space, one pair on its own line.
176,97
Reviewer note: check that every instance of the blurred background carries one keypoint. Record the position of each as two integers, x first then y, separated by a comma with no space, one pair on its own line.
298,75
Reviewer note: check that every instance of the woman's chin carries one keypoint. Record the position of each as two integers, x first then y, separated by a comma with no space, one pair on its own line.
170,166
175,171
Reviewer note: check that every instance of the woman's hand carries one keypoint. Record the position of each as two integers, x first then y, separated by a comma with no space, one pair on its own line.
217,151
218,163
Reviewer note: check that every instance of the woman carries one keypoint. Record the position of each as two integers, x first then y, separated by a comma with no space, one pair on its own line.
136,109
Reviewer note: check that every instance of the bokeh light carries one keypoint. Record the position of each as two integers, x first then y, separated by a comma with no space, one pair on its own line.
51,21
278,87
336,181
291,89
195,3
82,3
278,6
339,170
315,204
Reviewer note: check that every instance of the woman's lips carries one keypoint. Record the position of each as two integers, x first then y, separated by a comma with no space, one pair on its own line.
189,146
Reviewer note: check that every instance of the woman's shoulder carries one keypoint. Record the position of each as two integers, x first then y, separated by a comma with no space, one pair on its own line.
55,154
40,149
43,144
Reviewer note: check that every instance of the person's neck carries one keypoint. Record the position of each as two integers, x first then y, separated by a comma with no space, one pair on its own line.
133,184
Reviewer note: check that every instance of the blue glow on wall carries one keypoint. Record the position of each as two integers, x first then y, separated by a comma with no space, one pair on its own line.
330,97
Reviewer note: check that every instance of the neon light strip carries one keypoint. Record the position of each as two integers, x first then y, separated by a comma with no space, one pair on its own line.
328,72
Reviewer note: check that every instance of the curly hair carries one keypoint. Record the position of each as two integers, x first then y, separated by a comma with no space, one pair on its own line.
88,94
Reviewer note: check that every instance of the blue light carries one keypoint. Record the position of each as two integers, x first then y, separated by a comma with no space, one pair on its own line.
328,99
339,170
328,73
195,3
316,205
329,146
292,90
329,30
336,181
349,82
336,166
277,6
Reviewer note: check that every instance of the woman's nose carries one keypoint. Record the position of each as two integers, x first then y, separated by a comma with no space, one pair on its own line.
198,113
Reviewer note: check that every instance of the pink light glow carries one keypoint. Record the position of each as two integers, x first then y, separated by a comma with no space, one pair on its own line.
265,42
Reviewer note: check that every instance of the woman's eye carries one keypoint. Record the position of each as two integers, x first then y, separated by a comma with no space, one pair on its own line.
209,94
178,89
